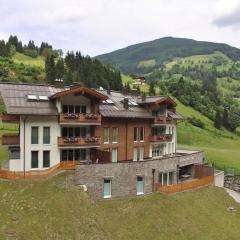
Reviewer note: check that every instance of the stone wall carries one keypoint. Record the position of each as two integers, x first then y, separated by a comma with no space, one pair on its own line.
232,182
123,175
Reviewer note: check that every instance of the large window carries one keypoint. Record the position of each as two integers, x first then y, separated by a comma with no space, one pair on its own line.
73,154
74,132
34,159
114,135
34,135
166,178
135,153
114,155
46,135
74,109
107,188
140,185
135,134
142,134
46,159
106,135
141,153
158,150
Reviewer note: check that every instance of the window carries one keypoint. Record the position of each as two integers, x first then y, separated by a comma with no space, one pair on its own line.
170,178
70,109
46,135
141,153
34,136
77,109
165,179
46,159
142,134
83,109
65,109
114,154
135,153
34,159
107,188
106,135
114,135
139,185
135,134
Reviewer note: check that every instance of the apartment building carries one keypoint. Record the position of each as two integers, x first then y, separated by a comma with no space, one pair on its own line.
84,127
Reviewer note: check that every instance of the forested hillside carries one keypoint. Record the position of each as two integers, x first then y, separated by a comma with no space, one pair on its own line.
203,75
44,64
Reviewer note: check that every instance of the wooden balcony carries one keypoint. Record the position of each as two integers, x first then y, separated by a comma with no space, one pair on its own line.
162,120
80,118
78,142
161,138
10,118
10,140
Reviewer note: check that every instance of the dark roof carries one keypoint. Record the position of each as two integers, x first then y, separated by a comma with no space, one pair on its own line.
117,109
156,99
175,116
15,99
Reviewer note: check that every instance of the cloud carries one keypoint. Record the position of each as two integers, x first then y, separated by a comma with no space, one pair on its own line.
229,20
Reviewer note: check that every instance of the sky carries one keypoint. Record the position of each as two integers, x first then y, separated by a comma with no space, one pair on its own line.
99,26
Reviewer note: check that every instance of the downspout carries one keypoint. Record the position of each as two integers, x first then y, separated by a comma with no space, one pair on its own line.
126,138
24,145
153,179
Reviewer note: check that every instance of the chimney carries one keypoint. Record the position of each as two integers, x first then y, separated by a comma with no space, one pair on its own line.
125,103
109,90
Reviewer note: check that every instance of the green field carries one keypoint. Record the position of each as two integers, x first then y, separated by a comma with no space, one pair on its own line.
54,209
21,58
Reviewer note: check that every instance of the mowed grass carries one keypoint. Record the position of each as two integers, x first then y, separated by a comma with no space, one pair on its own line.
53,209
21,58
220,146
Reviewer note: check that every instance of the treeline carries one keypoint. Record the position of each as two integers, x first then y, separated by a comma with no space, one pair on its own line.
82,69
13,45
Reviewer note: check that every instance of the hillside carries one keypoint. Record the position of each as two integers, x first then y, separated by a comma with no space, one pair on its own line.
136,58
55,209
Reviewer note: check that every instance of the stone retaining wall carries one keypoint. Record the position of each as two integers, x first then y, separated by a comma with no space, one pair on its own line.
232,182
123,175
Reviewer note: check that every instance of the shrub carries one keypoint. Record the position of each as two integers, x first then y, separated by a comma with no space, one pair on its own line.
196,122
31,53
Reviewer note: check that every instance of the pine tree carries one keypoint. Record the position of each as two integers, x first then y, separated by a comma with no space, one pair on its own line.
218,120
225,121
50,69
59,69
152,91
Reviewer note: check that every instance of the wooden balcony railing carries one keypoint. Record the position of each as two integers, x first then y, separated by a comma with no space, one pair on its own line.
162,120
10,118
10,139
161,138
76,141
87,118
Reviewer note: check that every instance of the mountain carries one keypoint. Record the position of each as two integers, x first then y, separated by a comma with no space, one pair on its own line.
164,49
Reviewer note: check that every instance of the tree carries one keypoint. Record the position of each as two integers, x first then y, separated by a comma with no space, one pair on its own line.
4,49
50,69
59,68
218,120
152,91
225,121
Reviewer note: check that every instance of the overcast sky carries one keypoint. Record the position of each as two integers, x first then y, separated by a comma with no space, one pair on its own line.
100,26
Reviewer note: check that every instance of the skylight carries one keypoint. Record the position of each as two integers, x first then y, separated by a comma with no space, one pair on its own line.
108,101
43,98
132,103
31,97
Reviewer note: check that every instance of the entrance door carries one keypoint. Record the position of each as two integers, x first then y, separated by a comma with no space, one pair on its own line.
139,185
107,188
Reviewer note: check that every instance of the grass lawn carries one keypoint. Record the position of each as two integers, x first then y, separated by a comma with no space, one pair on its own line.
48,209
21,58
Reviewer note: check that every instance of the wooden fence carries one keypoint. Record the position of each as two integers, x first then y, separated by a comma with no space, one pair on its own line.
16,175
184,186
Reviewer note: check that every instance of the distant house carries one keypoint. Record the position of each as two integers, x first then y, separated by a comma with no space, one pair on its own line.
138,80
119,144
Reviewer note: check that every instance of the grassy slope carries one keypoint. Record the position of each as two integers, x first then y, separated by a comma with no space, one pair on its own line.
221,146
49,210
21,58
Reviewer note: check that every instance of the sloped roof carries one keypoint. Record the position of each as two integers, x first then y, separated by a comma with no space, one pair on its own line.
156,99
15,98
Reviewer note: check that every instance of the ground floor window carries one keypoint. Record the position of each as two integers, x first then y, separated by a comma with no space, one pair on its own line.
141,153
73,154
139,185
46,159
158,150
114,155
34,159
135,153
107,188
166,178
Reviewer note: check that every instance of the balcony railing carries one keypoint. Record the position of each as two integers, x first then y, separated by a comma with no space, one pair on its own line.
10,118
10,139
77,141
162,120
87,118
161,138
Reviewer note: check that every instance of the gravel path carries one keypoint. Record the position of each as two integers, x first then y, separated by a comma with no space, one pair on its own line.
233,194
